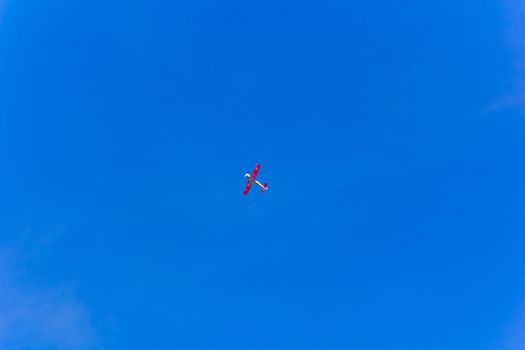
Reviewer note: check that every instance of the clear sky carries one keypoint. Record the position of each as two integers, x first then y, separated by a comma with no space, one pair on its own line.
391,134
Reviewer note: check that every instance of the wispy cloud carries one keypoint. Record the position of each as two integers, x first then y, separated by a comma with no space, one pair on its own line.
36,317
515,339
515,29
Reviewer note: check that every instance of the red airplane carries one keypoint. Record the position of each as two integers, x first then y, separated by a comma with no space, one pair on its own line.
252,178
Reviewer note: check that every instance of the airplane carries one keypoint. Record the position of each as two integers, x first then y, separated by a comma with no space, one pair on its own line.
252,178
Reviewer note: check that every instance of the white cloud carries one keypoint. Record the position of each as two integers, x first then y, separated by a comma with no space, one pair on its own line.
513,99
515,13
515,337
32,317
515,29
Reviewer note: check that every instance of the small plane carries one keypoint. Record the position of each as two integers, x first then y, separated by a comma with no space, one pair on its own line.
252,178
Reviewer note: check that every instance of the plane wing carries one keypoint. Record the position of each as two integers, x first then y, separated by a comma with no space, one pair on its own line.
247,188
256,171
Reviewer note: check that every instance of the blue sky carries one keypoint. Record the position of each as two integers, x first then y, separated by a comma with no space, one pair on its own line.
391,135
